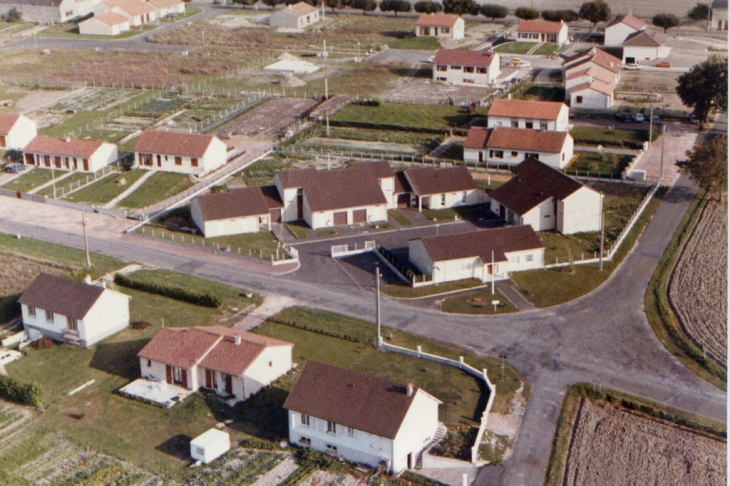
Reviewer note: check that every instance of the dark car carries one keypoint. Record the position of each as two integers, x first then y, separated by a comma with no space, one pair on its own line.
15,168
623,117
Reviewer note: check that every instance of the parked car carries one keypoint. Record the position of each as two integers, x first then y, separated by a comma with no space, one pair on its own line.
656,120
525,64
623,117
15,168
632,67
637,117
516,61
664,64
693,119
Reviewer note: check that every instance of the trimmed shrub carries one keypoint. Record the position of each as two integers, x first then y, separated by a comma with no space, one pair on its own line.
19,391
171,291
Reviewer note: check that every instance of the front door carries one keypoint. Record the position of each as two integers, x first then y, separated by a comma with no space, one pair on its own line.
501,211
229,384
168,370
410,460
159,160
2,141
208,378
300,206
47,160
86,165
29,159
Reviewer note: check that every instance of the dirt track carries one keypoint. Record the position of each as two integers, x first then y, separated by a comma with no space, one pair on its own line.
614,447
266,120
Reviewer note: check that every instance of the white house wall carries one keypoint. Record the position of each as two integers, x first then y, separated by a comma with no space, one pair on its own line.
387,185
458,269
54,329
558,125
152,370
515,157
325,219
23,131
617,34
456,32
94,26
234,226
461,78
419,257
455,199
526,260
645,53
580,212
109,315
541,217
272,363
104,155
416,431
592,100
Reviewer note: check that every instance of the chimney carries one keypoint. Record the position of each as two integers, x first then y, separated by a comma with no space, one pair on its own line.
68,140
87,279
509,96
409,389
237,340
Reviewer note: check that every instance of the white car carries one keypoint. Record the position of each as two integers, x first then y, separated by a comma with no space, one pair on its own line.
524,64
632,67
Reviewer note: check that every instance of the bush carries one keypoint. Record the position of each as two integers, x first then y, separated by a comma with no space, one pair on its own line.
43,343
171,291
527,13
701,11
18,391
558,15
426,6
368,102
254,443
13,15
140,325
457,444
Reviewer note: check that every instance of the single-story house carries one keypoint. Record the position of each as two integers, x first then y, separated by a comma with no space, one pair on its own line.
188,153
447,26
297,16
48,11
591,77
536,115
546,199
16,131
510,146
646,45
167,7
74,312
542,31
449,187
235,364
237,211
466,68
483,254
620,28
718,15
137,12
69,153
109,23
361,418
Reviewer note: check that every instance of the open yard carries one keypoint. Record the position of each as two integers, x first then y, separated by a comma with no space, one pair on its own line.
478,303
36,177
599,164
403,117
515,47
616,137
698,287
158,187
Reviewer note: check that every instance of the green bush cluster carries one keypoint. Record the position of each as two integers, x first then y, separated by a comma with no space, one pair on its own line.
19,391
457,444
340,335
171,291
385,127
418,480
367,102
255,443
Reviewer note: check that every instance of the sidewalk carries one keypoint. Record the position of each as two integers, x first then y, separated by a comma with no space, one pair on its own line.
272,305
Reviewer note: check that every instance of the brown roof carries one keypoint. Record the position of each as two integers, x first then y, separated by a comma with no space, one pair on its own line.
645,38
295,178
60,295
7,121
437,20
342,188
173,143
509,138
352,399
401,183
234,359
71,147
629,19
300,9
428,180
183,348
464,58
540,110
532,183
111,18
595,85
594,55
380,169
542,26
132,7
238,203
482,243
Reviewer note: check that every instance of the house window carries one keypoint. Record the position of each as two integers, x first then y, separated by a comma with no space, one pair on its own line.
468,80
49,316
463,197
351,432
331,427
441,67
515,124
534,156
443,199
178,160
149,363
177,375
445,30
456,67
482,70
543,126
271,363
514,154
443,80
528,258
468,69
331,448
200,451
31,310
73,324
579,99
563,157
496,154
305,441
528,125
194,162
305,420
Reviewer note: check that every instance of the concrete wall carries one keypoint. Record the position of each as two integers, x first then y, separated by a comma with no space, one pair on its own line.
456,32
617,34
580,212
591,100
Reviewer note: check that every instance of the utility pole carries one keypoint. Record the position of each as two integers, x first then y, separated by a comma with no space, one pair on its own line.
600,261
326,89
377,303
492,272
661,161
86,240
651,120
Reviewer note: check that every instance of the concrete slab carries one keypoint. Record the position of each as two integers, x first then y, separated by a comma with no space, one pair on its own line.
156,392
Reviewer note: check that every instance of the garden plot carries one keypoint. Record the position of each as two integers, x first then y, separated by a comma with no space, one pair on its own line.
92,99
614,446
241,466
698,289
267,120
361,146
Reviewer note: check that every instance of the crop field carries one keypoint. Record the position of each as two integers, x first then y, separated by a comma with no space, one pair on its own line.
268,119
698,287
18,272
612,445
92,99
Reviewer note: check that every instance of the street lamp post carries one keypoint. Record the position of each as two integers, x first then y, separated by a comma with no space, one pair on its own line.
202,33
358,52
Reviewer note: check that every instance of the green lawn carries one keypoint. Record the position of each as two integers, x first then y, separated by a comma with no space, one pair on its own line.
528,91
73,33
398,216
594,135
469,213
298,229
545,49
157,188
65,185
413,42
515,47
489,185
404,291
478,303
412,117
262,172
600,164
106,188
36,177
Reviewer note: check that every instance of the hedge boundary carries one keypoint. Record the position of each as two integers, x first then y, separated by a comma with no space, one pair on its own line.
171,291
19,391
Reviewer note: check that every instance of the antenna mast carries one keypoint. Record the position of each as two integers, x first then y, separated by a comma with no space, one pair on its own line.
326,87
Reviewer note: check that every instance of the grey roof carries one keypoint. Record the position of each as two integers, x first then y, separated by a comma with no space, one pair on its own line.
60,295
34,3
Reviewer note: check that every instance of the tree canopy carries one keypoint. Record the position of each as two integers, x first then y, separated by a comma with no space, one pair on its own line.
558,15
665,21
594,12
701,11
395,6
707,164
527,13
364,5
13,15
426,6
493,12
705,87
461,7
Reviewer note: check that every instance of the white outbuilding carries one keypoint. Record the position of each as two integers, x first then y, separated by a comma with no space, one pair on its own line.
16,131
210,445
109,23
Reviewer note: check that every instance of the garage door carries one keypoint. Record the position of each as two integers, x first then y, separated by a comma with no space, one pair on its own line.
404,200
275,215
340,218
360,216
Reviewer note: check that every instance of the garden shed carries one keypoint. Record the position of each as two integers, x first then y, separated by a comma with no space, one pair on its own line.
210,445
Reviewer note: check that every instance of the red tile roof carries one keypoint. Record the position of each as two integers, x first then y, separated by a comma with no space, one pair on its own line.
542,26
173,143
7,121
60,295
532,183
68,147
593,72
429,180
437,20
234,359
180,347
482,243
540,110
596,56
629,19
352,399
645,38
595,85
509,138
238,203
132,7
458,57
111,18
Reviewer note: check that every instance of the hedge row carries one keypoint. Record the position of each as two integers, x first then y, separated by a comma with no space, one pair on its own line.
378,126
610,143
318,330
171,291
19,391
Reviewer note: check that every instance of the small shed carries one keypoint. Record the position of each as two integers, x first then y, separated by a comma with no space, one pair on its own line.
209,446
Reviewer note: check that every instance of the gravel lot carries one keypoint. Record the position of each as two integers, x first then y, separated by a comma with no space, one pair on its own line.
698,289
266,120
616,447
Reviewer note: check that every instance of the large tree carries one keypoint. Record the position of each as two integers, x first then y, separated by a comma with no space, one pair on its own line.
705,87
14,15
461,7
594,12
493,12
527,13
395,6
707,165
427,6
701,11
665,20
558,15
364,5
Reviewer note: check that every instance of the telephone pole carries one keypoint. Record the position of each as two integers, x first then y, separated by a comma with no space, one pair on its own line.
86,240
377,303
